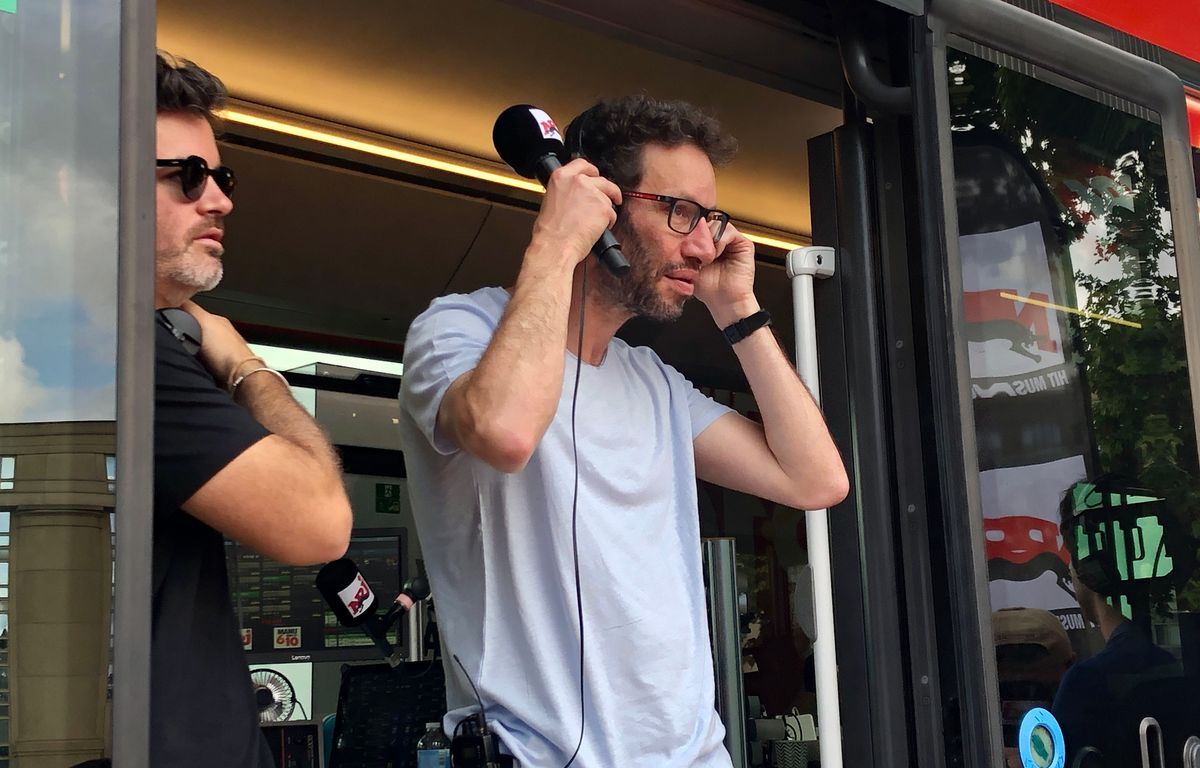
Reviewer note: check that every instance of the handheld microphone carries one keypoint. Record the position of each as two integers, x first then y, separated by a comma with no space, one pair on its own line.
528,140
355,605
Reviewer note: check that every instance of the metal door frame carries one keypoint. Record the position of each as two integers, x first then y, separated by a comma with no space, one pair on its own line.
134,482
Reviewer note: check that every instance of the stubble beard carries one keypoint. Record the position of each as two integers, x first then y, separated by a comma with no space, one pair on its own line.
197,268
638,291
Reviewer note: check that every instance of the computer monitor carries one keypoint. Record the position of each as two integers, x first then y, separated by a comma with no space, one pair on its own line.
283,617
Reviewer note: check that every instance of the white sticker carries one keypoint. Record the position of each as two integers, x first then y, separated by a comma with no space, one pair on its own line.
287,638
357,597
247,639
545,124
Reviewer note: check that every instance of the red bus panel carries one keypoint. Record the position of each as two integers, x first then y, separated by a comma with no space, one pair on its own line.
1170,24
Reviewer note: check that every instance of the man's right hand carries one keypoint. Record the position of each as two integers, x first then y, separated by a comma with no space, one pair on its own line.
222,348
578,207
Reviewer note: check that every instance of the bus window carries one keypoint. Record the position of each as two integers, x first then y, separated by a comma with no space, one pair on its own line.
1083,417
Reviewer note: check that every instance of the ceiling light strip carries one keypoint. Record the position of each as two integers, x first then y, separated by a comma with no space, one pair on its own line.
404,156
373,148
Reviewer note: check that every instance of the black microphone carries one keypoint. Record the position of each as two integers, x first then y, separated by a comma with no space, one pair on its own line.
355,605
414,591
528,140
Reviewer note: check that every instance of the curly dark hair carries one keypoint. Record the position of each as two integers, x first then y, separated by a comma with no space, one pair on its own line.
185,87
611,134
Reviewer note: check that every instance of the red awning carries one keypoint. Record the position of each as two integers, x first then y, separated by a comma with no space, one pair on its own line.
1170,24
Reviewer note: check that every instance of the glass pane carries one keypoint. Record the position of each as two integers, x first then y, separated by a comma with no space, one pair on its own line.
1087,450
775,596
59,101
321,364
292,359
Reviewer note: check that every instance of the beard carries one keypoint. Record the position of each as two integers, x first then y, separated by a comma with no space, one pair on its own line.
190,265
638,291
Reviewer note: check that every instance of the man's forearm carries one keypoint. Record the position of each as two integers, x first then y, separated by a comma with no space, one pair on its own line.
513,393
795,428
271,404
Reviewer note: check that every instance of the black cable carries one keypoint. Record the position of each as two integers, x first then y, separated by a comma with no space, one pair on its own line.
482,718
467,253
575,509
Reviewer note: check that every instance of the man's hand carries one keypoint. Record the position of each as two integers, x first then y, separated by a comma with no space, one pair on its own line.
726,285
578,207
222,348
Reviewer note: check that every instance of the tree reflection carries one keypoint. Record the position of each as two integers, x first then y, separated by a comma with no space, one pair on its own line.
1103,174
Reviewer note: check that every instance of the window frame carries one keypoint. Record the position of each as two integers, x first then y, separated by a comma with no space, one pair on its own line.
1058,49
135,387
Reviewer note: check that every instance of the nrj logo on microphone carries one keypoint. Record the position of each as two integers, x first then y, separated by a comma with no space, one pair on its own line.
357,597
545,124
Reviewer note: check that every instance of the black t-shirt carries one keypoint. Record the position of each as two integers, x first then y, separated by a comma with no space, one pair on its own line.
202,707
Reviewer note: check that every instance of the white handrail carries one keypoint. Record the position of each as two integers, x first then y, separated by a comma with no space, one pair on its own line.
804,265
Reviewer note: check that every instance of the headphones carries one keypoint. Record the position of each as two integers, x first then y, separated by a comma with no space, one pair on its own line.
575,131
181,325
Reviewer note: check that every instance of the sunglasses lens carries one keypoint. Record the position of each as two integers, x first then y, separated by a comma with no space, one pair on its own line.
226,181
192,175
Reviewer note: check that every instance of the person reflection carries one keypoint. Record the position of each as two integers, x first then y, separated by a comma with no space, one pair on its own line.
1101,700
1032,653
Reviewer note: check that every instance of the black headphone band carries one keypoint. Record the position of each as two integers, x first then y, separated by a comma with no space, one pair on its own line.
181,325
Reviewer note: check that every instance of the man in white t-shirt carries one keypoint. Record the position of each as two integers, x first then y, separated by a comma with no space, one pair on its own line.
509,468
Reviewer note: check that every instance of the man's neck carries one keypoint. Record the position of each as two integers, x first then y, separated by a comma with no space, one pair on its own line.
165,297
601,320
1110,619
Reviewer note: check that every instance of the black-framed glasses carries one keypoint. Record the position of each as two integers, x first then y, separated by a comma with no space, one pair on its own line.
194,172
683,215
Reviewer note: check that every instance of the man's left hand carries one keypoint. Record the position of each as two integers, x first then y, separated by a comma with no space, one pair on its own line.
223,349
726,285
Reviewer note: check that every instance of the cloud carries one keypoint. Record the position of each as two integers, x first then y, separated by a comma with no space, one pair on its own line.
23,399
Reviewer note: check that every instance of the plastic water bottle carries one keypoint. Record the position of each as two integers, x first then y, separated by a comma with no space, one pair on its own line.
433,750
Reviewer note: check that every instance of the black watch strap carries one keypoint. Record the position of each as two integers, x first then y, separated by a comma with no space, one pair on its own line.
746,326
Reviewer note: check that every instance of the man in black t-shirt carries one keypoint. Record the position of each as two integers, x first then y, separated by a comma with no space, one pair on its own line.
234,454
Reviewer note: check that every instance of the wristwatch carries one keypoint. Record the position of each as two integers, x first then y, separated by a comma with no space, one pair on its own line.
746,326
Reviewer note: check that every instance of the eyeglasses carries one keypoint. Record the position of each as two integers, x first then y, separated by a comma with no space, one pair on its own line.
683,215
194,172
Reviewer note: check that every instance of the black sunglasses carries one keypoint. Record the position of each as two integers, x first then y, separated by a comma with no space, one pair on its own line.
194,172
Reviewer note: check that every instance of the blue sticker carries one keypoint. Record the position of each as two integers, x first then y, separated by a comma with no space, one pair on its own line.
1040,742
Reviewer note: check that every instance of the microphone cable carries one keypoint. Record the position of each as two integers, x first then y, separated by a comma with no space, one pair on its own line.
575,507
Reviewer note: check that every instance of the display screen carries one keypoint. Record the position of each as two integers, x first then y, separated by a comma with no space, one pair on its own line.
284,618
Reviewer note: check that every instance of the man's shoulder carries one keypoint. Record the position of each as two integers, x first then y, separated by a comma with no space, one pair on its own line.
489,301
454,323
644,359
175,366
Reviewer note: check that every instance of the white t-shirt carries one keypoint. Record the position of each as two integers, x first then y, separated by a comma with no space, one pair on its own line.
498,551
